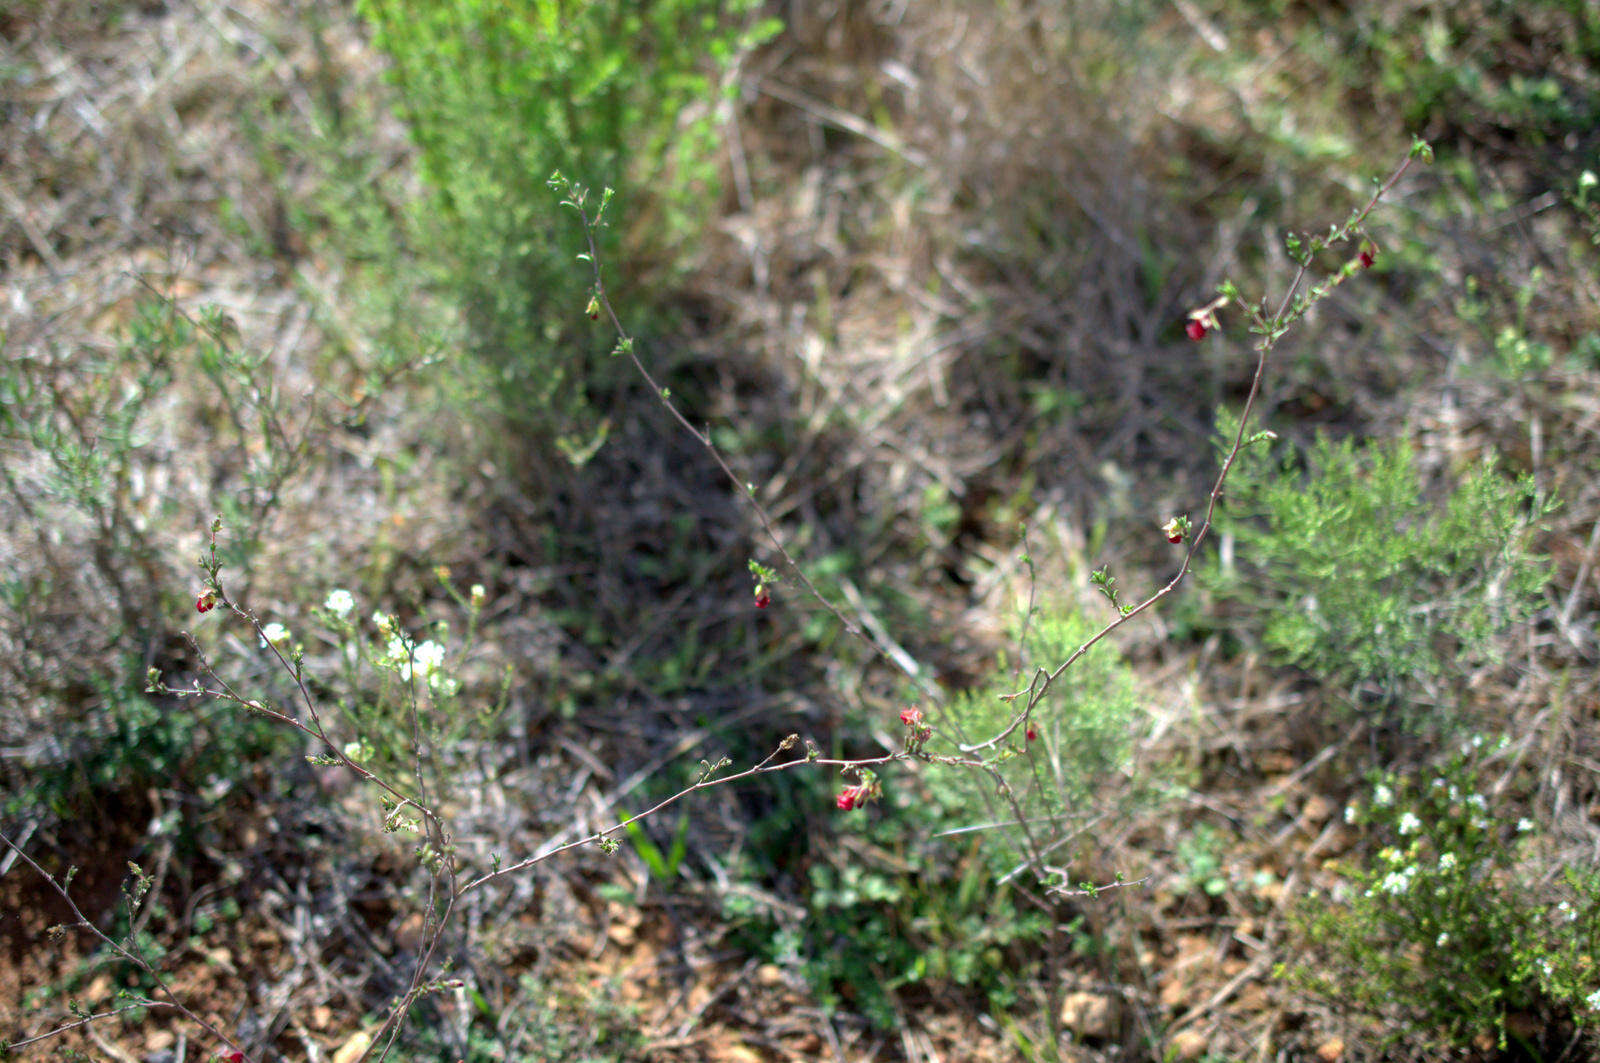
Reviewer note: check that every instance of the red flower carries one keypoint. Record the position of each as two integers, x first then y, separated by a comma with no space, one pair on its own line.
1366,256
1173,530
233,1057
911,717
1033,732
206,602
763,600
850,797
1195,329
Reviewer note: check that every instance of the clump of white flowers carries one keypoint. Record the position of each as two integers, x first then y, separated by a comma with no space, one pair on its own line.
340,603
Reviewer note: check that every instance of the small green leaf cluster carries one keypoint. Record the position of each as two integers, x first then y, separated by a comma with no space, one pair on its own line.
532,1021
1079,762
887,910
1351,572
1444,926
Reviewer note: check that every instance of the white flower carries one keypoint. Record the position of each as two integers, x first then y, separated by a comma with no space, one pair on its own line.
1567,911
1442,940
340,602
1593,1000
423,659
428,656
1447,861
1409,824
382,620
1524,825
1397,882
1382,796
1350,813
274,633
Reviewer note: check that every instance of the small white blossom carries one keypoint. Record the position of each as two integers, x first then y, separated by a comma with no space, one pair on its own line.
1442,940
1567,911
1524,825
1350,813
1382,796
1477,801
428,656
274,633
1447,861
1593,1000
1409,823
339,602
1396,883
423,659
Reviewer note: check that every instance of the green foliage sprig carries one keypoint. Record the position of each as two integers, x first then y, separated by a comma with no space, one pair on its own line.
1350,572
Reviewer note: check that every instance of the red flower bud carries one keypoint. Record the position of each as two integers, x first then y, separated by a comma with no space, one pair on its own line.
1033,732
850,796
911,717
763,599
1195,329
1173,530
206,602
1366,256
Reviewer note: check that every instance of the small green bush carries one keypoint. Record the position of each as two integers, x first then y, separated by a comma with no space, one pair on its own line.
1442,928
497,96
889,911
1077,766
1350,571
93,595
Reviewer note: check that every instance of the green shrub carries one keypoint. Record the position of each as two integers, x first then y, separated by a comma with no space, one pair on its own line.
497,96
1443,928
888,909
93,595
1077,768
537,1022
1352,572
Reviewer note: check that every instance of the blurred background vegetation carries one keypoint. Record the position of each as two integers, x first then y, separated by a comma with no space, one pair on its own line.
921,271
